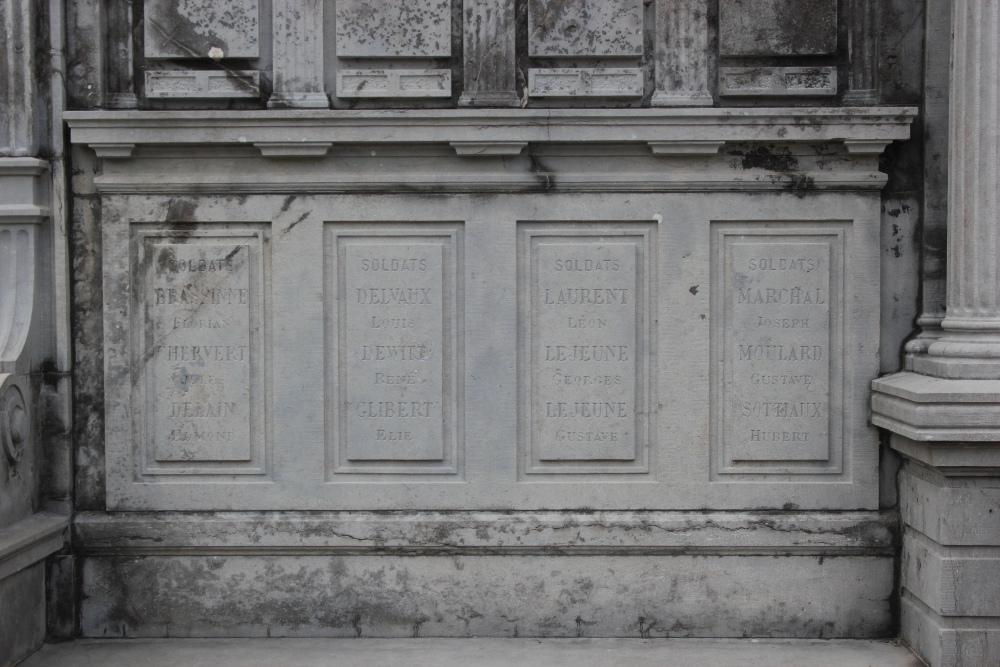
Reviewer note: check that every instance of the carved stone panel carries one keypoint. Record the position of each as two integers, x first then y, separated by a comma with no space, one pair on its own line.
394,384
393,28
777,27
202,29
592,28
779,372
199,353
584,348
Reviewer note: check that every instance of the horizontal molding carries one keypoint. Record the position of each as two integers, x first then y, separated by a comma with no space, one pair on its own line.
31,540
353,83
929,409
573,126
585,82
777,81
517,533
202,84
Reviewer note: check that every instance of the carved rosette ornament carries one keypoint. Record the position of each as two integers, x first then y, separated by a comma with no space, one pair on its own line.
14,430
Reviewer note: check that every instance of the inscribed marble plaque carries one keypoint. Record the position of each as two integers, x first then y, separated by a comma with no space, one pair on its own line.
394,308
778,347
585,352
393,28
197,337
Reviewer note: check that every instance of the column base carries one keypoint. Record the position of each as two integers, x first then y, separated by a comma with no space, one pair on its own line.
490,98
122,101
286,100
682,98
860,98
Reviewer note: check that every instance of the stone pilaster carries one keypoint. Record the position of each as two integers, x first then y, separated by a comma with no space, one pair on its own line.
17,78
120,61
490,68
298,55
944,418
682,54
863,68
970,346
937,60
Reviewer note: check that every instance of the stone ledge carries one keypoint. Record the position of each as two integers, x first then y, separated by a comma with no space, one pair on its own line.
26,542
956,641
492,125
929,409
598,533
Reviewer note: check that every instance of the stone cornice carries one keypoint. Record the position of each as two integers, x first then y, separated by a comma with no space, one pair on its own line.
118,133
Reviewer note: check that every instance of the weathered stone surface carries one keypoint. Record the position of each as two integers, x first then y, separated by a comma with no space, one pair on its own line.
393,28
596,28
585,82
22,614
393,83
201,29
528,596
777,81
682,56
202,84
489,53
777,27
298,47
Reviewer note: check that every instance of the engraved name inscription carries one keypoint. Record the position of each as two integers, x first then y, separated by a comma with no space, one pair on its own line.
778,351
584,354
197,316
394,307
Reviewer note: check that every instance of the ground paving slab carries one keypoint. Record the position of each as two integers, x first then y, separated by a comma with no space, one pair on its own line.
478,652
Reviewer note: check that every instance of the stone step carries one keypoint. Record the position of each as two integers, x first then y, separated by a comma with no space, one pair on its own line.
478,652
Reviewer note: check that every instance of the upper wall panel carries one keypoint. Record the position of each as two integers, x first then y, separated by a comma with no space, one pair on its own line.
366,54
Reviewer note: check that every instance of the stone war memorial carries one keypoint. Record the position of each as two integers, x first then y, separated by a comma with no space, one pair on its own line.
501,318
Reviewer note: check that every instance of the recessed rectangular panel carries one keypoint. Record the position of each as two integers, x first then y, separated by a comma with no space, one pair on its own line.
393,28
394,339
588,28
394,331
777,27
584,349
201,29
200,352
779,351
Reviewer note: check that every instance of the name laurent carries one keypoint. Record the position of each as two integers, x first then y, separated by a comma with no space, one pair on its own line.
585,296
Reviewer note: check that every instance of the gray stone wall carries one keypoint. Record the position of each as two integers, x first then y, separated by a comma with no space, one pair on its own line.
281,140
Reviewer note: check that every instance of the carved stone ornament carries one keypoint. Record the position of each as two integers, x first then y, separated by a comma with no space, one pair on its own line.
13,426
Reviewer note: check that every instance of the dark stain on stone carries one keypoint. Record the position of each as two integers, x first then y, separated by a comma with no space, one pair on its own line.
693,289
763,158
180,209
